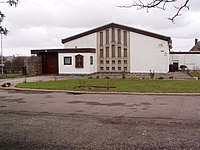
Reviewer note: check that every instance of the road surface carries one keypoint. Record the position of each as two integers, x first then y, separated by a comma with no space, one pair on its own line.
56,120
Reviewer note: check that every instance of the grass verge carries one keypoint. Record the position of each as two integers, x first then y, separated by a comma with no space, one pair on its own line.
195,74
122,85
16,75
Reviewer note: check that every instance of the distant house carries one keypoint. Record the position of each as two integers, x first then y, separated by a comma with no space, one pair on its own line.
196,47
190,59
110,48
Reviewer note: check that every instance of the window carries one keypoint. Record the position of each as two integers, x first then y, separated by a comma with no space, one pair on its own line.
101,38
113,68
113,34
119,68
113,50
91,60
107,36
125,68
119,61
107,61
79,61
119,35
67,60
101,62
107,51
125,52
101,68
113,62
101,53
119,52
125,61
107,68
125,38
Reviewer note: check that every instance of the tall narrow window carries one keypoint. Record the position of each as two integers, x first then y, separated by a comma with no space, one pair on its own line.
91,60
113,34
107,51
107,36
125,52
113,50
79,61
119,35
101,53
119,52
125,38
101,38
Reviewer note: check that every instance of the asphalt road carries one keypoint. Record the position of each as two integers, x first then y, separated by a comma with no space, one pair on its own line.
55,120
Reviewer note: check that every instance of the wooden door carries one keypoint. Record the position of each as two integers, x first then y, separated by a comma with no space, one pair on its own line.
50,63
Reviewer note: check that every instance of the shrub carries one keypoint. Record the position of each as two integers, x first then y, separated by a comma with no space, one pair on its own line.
161,78
124,74
107,77
97,77
133,76
183,67
90,77
151,74
171,77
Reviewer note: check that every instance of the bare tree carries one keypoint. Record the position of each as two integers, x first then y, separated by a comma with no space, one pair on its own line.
2,16
160,4
4,31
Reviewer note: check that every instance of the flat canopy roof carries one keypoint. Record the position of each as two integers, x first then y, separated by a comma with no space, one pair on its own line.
65,50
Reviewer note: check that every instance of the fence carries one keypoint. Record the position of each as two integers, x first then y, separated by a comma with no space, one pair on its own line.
14,70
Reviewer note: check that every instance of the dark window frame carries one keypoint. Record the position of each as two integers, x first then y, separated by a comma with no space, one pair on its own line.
101,53
125,38
70,60
101,38
91,60
113,34
113,51
125,52
107,51
119,52
119,36
107,36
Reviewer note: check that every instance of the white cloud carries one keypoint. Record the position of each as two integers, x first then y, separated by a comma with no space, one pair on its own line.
42,24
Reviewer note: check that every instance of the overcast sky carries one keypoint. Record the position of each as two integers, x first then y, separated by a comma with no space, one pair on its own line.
38,24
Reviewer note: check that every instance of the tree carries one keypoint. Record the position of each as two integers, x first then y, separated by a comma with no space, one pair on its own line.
2,16
160,4
4,31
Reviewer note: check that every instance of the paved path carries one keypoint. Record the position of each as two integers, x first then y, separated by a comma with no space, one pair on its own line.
15,81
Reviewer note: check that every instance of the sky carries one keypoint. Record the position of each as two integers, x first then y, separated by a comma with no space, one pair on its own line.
41,24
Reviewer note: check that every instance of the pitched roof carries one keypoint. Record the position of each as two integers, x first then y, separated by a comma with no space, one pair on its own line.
190,52
111,25
196,47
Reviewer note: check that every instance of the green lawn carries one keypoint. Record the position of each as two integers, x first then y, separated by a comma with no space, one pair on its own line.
195,74
122,85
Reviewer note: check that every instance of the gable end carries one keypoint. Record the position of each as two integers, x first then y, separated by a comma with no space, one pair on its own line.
114,25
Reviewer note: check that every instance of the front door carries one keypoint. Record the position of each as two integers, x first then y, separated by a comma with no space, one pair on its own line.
50,63
176,66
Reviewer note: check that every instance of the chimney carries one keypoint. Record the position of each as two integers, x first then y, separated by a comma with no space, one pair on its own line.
196,40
